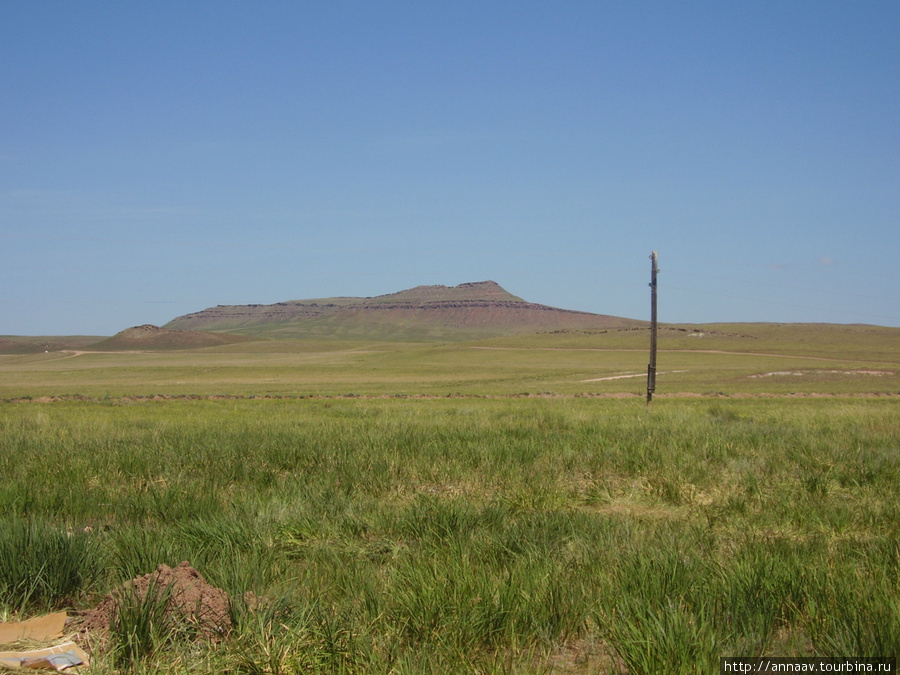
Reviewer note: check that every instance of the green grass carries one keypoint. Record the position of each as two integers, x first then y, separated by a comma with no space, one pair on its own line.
723,360
44,566
142,625
473,534
435,370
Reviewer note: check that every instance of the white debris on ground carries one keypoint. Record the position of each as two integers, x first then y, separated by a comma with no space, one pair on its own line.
795,373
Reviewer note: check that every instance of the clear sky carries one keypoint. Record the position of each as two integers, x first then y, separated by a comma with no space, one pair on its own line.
157,158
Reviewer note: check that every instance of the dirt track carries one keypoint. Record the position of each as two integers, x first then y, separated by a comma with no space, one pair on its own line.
662,351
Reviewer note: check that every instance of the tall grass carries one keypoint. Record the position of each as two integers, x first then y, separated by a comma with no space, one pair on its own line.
480,535
44,566
142,625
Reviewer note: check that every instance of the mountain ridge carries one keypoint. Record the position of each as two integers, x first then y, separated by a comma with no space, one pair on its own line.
468,310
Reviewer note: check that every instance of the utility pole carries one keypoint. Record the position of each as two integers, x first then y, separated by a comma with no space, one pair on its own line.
651,369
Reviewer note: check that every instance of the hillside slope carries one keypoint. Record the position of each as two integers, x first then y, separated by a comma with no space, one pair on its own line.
466,311
149,337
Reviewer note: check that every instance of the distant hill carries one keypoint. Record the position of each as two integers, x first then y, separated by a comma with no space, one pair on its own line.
155,338
466,311
20,344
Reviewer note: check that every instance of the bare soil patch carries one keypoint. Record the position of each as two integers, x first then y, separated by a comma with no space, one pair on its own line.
192,601
800,373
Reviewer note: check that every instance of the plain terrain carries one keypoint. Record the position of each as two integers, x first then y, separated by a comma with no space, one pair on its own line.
730,359
502,505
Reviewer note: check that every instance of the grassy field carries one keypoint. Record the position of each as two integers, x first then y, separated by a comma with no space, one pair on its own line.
393,526
708,360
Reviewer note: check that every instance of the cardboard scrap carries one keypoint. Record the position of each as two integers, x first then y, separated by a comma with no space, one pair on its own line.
57,658
40,628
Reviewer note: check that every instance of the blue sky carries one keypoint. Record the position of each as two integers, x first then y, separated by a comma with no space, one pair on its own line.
157,158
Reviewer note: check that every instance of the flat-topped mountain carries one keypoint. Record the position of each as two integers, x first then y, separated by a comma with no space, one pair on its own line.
466,311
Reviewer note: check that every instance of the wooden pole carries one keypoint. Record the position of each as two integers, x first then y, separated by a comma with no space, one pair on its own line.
651,369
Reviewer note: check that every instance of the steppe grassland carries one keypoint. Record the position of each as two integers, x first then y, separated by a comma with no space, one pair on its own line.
471,534
701,360
474,529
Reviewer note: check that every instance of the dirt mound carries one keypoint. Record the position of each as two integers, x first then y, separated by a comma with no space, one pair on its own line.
191,600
